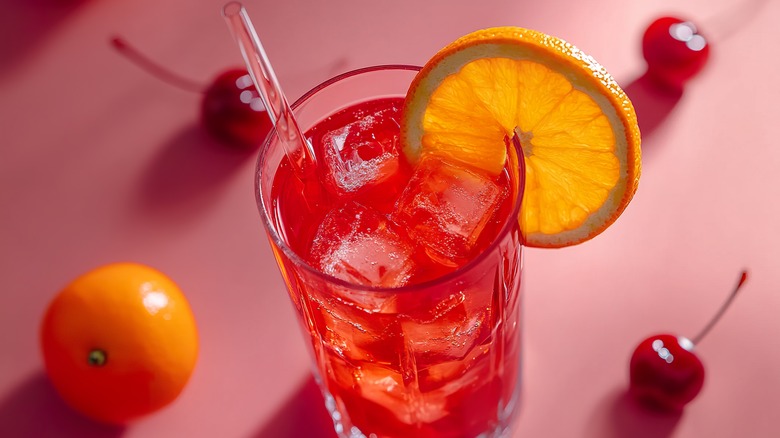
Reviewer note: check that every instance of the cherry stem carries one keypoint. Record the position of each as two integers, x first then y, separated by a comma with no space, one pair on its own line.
726,23
722,310
155,69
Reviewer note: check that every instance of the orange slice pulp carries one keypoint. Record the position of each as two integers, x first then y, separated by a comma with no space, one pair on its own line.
577,128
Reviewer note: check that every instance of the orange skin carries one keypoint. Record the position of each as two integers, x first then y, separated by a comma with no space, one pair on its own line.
119,342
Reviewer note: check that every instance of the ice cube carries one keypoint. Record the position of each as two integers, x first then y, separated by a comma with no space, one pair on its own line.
450,331
356,334
451,376
359,245
445,208
363,153
385,387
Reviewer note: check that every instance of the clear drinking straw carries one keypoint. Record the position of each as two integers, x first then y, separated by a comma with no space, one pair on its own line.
267,85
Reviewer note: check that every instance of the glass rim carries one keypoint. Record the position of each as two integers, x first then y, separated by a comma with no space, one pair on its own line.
300,261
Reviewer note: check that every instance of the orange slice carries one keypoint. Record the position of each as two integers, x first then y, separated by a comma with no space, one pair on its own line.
577,127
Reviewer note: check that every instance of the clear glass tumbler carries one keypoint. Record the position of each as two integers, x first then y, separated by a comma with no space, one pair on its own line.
437,359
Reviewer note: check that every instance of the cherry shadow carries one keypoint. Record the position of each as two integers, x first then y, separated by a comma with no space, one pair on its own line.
621,416
302,415
34,409
24,26
187,174
653,104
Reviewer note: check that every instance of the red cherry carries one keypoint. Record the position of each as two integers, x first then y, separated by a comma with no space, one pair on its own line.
231,109
665,372
675,51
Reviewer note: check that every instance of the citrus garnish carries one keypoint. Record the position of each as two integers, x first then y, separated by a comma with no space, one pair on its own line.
577,127
119,342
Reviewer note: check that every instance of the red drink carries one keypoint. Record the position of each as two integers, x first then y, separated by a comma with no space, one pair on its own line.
406,276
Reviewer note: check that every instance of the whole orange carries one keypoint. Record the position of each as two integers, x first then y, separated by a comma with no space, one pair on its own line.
119,342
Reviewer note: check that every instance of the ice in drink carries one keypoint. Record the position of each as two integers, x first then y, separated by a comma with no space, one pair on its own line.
407,343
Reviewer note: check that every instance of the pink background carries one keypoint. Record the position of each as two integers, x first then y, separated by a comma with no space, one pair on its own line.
101,162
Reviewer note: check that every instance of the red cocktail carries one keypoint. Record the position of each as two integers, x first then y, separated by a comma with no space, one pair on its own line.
406,277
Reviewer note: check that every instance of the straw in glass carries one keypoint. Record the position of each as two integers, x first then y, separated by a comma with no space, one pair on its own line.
267,85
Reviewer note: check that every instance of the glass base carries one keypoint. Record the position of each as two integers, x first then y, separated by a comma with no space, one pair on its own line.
502,430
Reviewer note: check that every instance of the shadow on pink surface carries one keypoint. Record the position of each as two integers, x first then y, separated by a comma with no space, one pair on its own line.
620,416
185,176
24,25
34,409
653,105
303,415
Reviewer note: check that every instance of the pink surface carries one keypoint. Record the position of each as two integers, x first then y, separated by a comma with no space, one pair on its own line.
101,162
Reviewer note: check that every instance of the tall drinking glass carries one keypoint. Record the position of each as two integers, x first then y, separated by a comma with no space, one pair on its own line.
439,358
